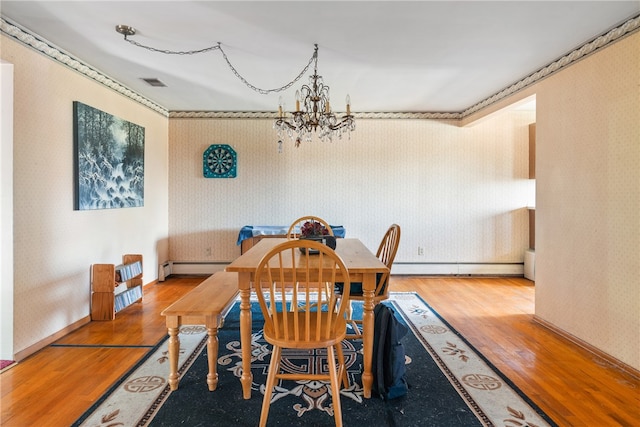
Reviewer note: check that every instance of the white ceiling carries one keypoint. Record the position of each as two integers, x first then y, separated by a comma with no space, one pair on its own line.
418,56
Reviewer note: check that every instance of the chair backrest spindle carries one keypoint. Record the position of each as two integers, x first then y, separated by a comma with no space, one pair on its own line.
292,290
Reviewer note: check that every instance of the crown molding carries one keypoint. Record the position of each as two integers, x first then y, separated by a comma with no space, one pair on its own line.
37,43
586,49
48,49
271,115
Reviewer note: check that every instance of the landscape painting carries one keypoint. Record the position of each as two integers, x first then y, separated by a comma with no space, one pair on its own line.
109,160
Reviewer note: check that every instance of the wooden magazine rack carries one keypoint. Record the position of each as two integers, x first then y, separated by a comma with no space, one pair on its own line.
114,287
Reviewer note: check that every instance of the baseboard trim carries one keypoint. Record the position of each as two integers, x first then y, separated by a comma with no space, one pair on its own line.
635,373
23,354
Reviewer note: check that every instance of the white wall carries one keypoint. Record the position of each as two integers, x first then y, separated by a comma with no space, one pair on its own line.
6,210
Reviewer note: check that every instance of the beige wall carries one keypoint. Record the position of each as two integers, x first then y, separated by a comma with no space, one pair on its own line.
588,200
53,244
458,192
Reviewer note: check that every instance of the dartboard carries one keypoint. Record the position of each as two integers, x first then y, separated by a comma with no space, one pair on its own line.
219,161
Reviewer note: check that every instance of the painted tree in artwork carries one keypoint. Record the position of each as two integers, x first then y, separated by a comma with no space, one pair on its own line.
109,160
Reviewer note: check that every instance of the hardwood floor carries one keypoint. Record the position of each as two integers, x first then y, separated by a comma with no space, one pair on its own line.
573,386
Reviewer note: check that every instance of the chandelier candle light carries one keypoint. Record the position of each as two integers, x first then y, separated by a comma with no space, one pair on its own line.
315,115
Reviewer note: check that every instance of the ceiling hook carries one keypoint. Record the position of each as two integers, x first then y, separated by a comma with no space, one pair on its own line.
125,30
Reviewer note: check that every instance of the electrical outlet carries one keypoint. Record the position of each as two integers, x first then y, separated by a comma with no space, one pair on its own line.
420,251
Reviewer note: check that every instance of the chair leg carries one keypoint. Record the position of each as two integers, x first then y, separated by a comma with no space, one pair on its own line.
274,368
342,370
357,332
335,387
353,323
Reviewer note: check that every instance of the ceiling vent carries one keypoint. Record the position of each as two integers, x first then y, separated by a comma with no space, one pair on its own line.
154,82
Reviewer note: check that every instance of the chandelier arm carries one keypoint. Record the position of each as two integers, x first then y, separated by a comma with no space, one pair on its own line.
339,125
286,123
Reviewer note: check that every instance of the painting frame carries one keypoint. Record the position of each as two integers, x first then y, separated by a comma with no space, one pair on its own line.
108,160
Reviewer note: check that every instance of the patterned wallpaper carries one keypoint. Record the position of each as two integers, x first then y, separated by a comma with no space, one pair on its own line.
459,193
588,200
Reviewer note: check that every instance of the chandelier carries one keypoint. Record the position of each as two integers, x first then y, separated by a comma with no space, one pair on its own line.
315,114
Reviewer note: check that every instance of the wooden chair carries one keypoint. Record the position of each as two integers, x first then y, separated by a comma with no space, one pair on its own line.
294,229
288,324
386,253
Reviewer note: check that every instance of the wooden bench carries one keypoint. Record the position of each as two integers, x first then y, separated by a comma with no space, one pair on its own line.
206,304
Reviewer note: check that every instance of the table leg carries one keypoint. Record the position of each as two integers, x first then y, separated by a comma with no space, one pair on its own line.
367,326
174,351
245,333
212,352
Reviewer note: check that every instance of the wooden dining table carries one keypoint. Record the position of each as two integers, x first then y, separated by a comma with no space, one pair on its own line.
362,265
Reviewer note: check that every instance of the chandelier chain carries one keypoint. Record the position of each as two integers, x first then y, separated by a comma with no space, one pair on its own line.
173,52
314,58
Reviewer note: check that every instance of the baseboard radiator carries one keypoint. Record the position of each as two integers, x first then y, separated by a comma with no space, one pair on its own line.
189,267
164,271
401,268
457,269
530,264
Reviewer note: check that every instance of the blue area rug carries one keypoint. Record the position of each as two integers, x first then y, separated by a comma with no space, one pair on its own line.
451,384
